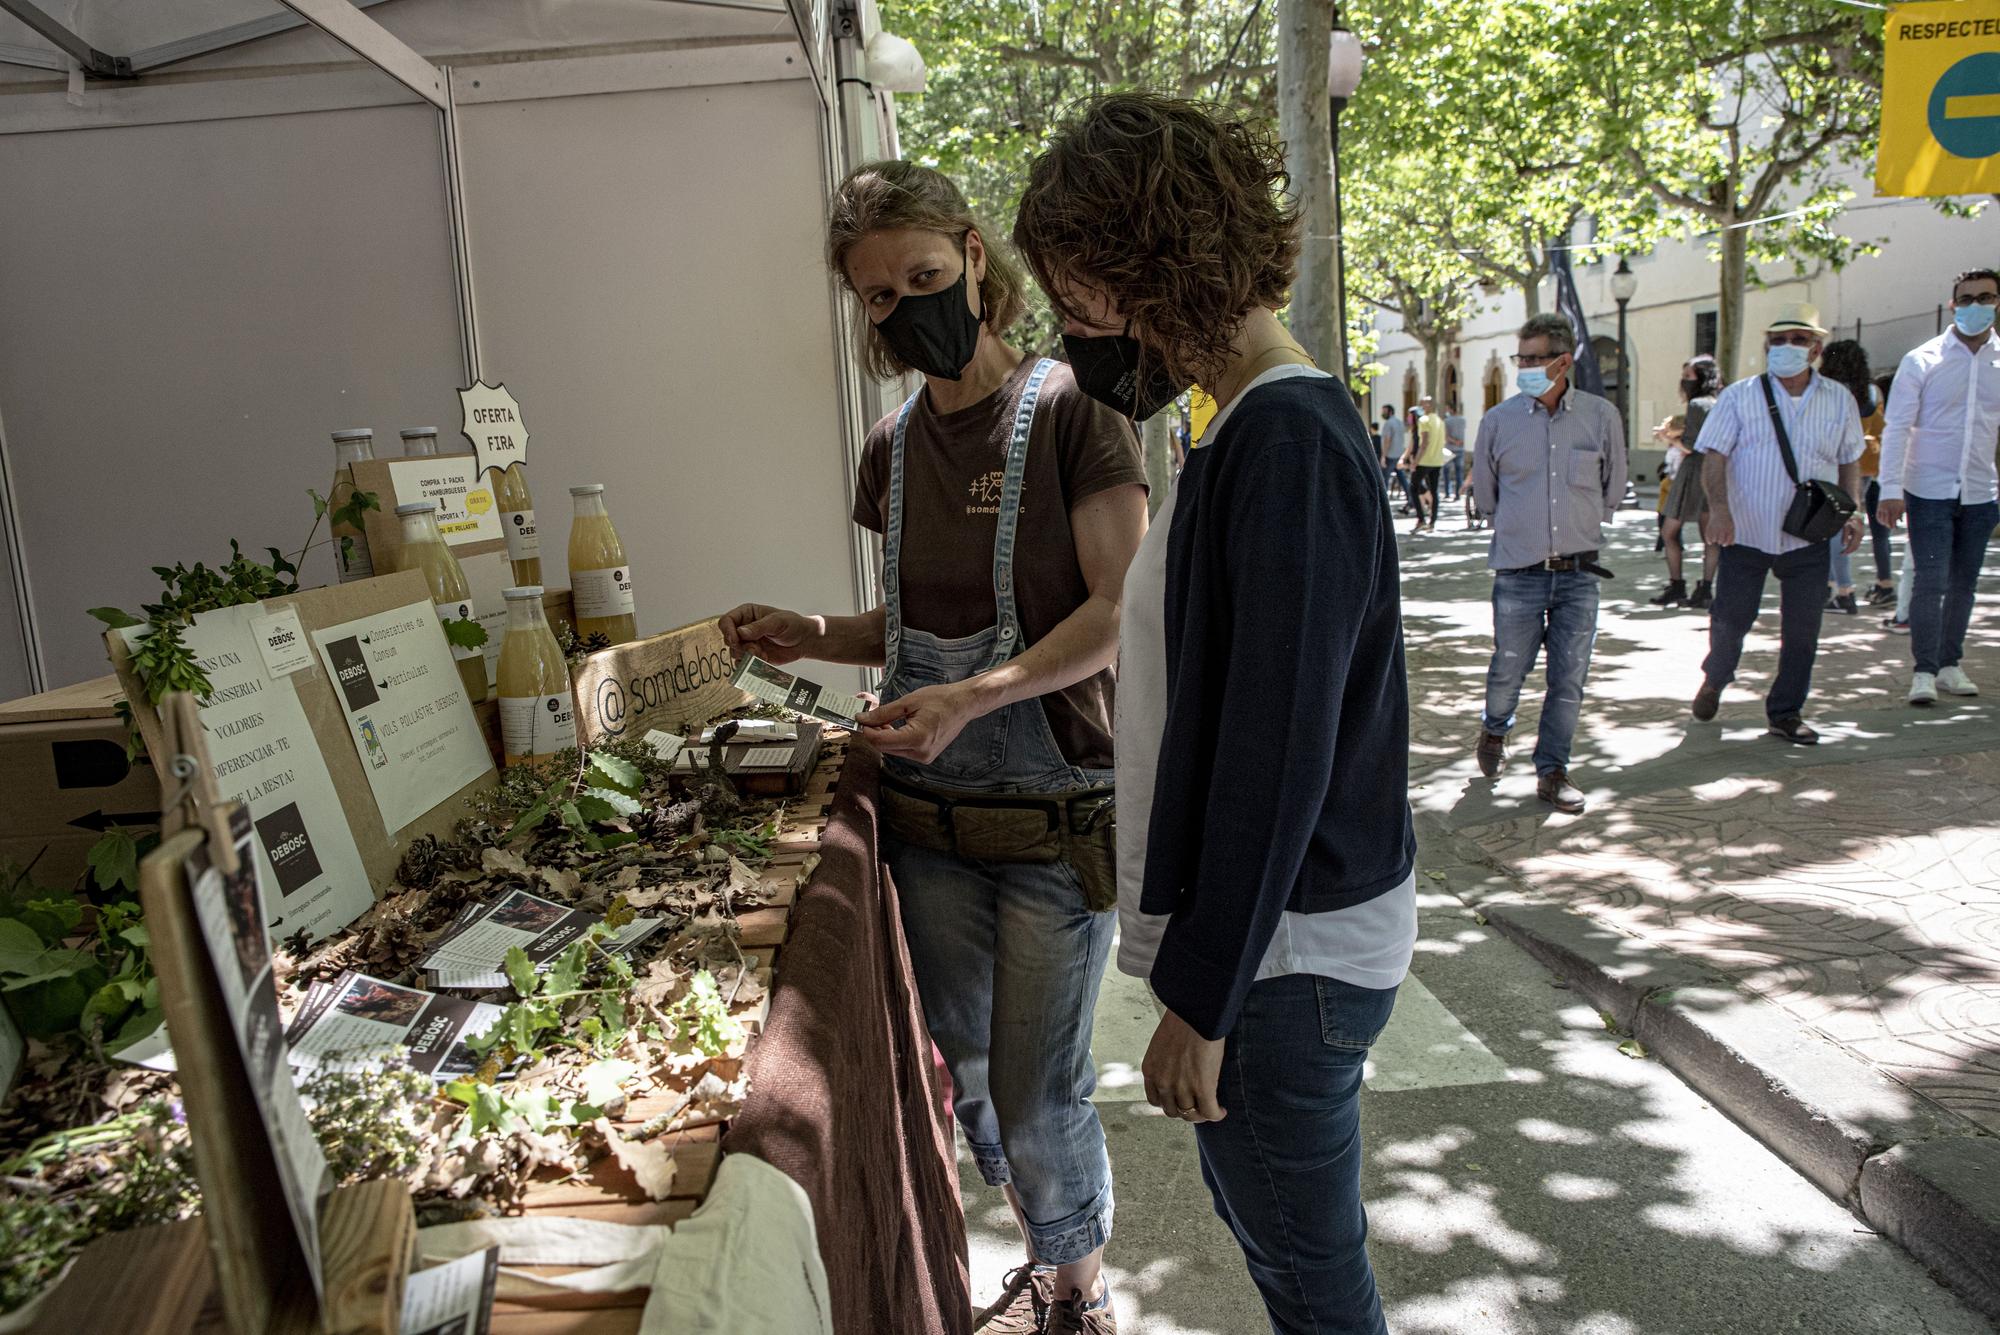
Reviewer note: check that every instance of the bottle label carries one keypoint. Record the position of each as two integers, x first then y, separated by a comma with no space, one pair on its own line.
359,564
461,611
522,543
537,725
602,593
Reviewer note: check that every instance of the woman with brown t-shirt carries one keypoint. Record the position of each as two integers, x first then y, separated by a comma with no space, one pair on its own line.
1010,504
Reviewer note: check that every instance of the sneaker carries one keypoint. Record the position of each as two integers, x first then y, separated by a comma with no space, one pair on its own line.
1794,730
1673,595
1845,604
1923,689
1706,701
1076,1316
1953,681
1556,789
1882,595
1895,627
1023,1305
1492,752
1702,597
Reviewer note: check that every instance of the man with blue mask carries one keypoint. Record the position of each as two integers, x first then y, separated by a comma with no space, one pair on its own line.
1548,468
1937,468
1764,438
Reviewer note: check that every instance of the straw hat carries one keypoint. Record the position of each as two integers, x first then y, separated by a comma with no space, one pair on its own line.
1796,315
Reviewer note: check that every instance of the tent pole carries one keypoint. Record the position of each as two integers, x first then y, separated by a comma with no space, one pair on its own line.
83,53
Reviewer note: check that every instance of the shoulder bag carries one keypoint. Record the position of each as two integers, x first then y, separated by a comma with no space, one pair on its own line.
1819,509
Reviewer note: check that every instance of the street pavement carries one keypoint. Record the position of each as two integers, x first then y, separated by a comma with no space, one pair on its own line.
1531,1167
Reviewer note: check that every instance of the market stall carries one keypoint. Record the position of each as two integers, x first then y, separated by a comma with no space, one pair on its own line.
573,962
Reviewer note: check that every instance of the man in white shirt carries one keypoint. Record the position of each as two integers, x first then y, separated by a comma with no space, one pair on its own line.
1750,488
1938,440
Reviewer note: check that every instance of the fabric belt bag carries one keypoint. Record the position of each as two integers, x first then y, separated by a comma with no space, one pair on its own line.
1077,826
1819,509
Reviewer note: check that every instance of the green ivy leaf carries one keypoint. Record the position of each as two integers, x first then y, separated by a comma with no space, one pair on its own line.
114,861
617,772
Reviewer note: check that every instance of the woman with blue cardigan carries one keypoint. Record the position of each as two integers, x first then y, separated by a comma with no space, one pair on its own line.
1265,850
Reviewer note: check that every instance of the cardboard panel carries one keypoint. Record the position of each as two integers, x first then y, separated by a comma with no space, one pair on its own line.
667,682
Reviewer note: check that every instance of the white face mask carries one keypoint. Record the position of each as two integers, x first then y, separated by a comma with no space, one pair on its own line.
1785,360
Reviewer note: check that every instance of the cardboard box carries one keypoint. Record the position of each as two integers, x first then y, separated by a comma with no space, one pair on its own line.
63,768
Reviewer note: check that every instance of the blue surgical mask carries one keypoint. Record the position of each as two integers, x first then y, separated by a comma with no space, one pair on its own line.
1974,319
1785,360
1533,381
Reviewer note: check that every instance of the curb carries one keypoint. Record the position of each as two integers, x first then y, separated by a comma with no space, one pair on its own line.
1911,1170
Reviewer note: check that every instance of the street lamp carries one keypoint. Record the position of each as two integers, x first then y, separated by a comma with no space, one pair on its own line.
1624,283
1344,59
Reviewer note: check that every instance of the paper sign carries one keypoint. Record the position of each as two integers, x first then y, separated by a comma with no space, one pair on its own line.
455,1298
267,758
282,642
487,575
775,686
664,682
229,910
406,709
1940,100
765,757
466,509
493,424
665,745
472,954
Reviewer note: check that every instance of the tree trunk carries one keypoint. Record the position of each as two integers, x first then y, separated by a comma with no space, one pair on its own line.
1156,445
1733,277
1434,345
1531,295
1305,28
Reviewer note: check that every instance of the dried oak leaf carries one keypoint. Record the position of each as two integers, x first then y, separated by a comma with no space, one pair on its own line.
650,1164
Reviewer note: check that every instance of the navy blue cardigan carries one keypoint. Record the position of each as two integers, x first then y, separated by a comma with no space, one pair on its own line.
1284,768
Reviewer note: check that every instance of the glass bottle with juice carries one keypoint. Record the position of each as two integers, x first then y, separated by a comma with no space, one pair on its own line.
600,581
349,448
517,517
424,549
537,709
419,441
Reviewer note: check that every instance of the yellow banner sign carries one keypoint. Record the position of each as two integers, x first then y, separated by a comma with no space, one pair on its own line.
1941,100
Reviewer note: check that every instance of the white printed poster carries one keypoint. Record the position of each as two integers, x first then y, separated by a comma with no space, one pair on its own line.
227,907
466,509
357,1023
266,757
455,1298
406,709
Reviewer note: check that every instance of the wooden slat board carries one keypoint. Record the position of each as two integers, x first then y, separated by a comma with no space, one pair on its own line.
605,1192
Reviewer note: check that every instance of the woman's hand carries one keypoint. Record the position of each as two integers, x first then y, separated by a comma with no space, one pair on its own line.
771,633
919,726
1856,530
1182,1070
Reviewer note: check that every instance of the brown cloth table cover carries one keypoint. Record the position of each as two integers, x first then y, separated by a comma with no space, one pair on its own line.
846,1099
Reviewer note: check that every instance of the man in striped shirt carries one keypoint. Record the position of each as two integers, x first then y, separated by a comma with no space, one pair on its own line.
1749,490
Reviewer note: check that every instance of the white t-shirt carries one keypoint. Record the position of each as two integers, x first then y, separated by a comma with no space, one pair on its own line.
1369,944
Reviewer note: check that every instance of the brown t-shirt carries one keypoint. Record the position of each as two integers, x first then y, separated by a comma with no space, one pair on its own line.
953,467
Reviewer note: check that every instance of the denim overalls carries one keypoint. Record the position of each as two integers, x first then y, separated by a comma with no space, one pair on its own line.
1008,956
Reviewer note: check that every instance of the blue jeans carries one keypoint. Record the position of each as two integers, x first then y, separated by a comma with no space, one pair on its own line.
1008,958
1533,610
1739,588
1284,1164
1948,544
1454,474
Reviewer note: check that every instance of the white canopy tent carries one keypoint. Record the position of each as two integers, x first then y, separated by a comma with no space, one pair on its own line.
229,227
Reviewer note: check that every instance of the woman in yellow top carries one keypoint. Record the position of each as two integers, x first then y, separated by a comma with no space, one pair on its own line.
1425,460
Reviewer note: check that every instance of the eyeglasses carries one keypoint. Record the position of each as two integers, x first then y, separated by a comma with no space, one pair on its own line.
1533,359
1800,339
1979,299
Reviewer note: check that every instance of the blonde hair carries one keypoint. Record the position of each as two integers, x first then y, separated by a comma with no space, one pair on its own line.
896,196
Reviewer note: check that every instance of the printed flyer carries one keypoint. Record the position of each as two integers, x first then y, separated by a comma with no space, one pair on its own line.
356,1023
232,925
266,757
774,685
406,710
466,512
473,953
455,1298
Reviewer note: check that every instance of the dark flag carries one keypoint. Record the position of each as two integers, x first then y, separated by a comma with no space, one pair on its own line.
1589,376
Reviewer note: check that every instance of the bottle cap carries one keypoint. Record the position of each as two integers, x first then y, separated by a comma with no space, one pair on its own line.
417,508
412,432
524,593
358,433
594,489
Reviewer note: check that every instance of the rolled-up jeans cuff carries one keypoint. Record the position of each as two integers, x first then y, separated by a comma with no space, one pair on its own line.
991,1161
1069,1240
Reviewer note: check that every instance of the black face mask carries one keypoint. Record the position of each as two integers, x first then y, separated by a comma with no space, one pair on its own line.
1107,369
936,333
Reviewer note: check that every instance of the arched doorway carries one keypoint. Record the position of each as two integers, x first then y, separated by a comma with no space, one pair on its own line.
1609,364
1452,402
1495,384
1410,391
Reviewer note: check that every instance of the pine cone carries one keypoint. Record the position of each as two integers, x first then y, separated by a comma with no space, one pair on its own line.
421,864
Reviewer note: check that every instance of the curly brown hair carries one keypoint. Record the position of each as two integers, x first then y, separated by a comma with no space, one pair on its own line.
895,196
1175,210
